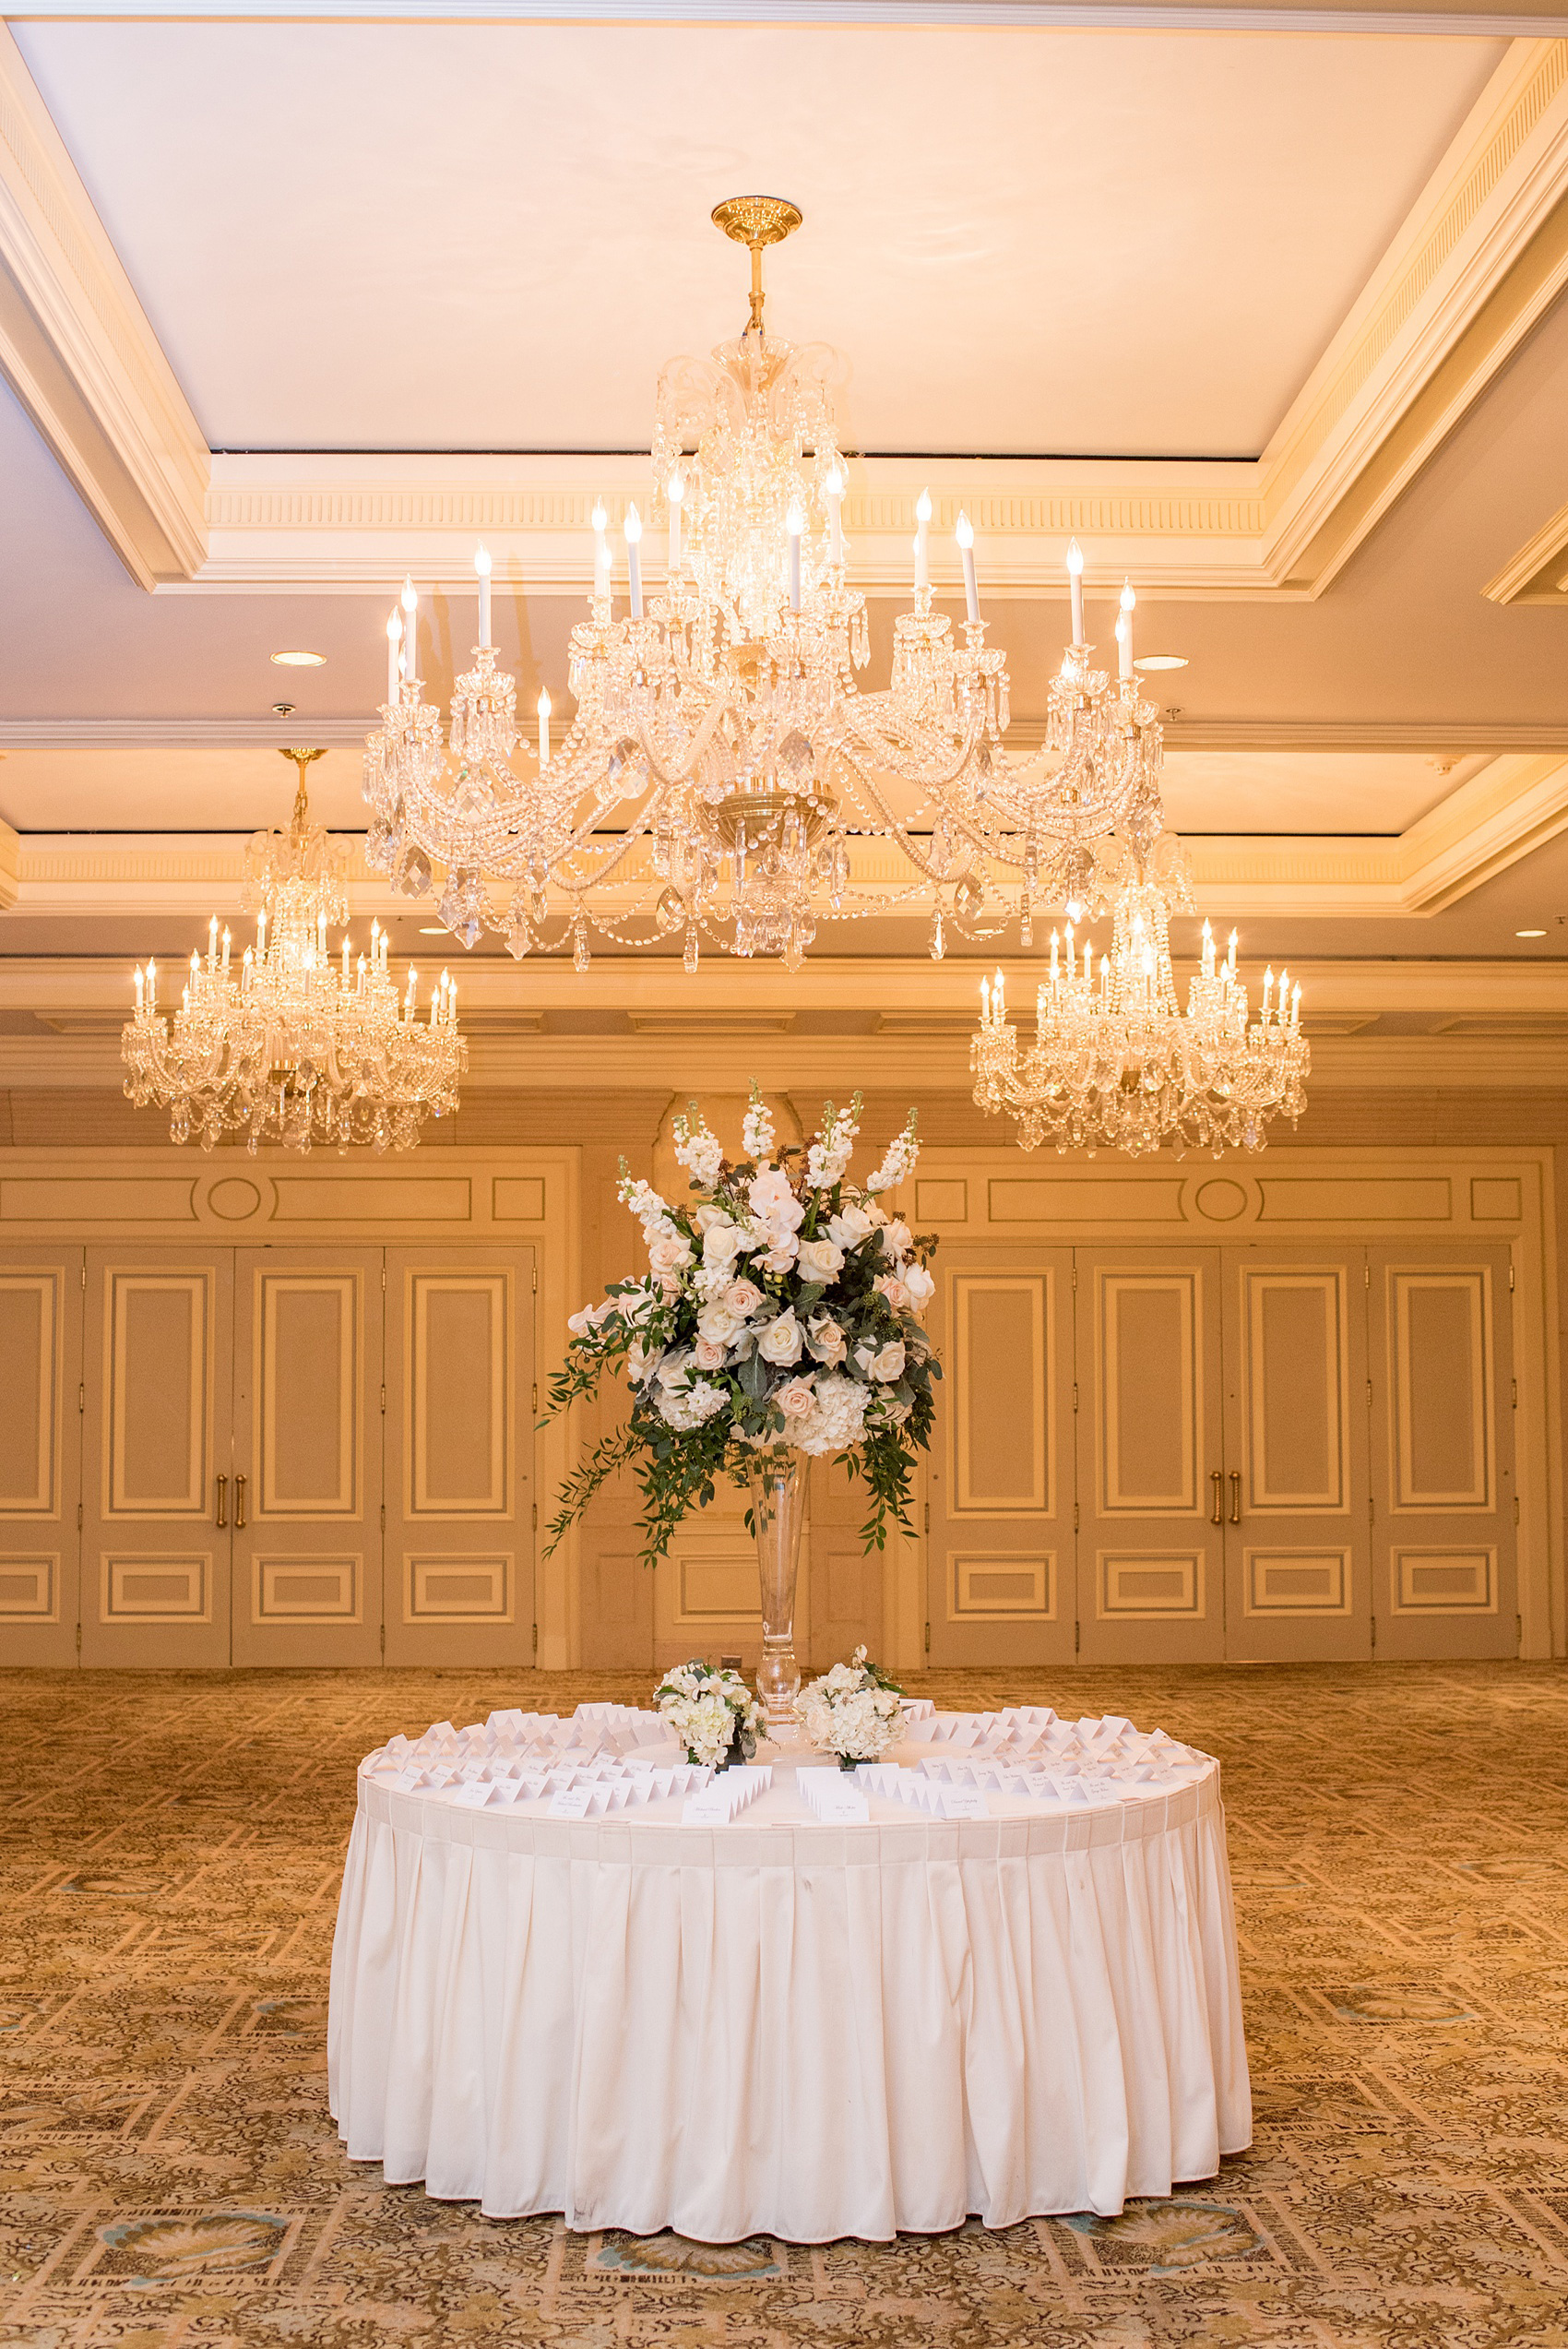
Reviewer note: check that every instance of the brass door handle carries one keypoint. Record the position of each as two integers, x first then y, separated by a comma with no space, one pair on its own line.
239,1503
1235,1497
223,1517
1216,1516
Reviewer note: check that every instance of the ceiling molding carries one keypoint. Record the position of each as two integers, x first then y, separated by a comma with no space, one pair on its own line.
1510,807
1539,573
1480,257
725,1061
1184,731
899,996
1159,15
77,351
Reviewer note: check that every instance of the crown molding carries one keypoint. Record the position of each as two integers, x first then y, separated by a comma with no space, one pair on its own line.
110,734
1154,16
1539,573
77,349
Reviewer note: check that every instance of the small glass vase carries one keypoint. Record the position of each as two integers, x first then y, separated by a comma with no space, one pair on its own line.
778,1511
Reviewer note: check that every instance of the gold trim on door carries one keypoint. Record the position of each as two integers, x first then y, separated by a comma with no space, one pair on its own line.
1119,1496
1424,1384
275,1290
43,1497
1300,1349
153,1392
981,1483
424,1499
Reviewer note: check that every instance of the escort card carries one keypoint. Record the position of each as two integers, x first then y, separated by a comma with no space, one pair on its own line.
570,1802
474,1794
964,1802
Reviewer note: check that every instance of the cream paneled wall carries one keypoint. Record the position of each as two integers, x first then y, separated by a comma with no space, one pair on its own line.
1011,1226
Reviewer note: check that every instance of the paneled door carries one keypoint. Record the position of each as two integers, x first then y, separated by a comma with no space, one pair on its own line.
1000,1571
842,1579
157,1470
1151,1482
41,1454
308,1405
1442,1471
460,1495
1297,1564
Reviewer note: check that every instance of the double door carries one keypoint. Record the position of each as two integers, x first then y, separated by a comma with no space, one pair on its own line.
314,1455
1245,1452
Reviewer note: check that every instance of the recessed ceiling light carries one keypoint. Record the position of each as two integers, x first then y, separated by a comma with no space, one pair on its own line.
1161,660
1529,934
300,660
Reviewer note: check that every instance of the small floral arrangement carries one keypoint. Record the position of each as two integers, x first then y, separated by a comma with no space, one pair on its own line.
714,1714
781,1313
852,1711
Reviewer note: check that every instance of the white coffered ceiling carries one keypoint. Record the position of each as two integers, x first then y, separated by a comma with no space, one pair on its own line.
1272,317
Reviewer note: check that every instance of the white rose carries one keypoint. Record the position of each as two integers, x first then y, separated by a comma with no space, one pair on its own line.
889,1363
920,1287
640,1364
897,1239
781,1340
795,1397
717,1325
720,1243
849,1228
669,1253
743,1297
819,1259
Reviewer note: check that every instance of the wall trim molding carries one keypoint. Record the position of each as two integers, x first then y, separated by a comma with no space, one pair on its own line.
1539,573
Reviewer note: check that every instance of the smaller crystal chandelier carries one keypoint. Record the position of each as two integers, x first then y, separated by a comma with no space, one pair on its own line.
288,1047
1116,1063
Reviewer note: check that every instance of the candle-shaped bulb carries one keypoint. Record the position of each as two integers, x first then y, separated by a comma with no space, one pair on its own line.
409,600
633,525
599,520
481,564
965,534
393,644
345,957
836,517
543,711
985,1002
922,519
601,551
137,975
1075,584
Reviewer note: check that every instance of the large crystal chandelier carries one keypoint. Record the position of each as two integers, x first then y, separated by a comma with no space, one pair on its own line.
723,778
287,1045
1114,1063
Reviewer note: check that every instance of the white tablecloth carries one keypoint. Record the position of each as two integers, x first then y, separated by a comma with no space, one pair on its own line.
787,2028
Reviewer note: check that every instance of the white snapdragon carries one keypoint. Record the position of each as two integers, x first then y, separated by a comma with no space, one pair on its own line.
899,1162
757,1137
642,1198
699,1150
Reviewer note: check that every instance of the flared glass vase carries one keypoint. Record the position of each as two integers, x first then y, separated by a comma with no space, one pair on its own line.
778,1511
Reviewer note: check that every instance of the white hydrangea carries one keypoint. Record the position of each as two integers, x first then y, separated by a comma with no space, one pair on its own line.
846,1713
687,1406
836,1422
709,1711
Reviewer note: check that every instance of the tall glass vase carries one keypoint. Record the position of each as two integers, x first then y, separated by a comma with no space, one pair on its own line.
779,1510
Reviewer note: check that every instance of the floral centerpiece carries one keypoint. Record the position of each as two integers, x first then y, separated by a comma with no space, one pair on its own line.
714,1714
779,1321
852,1711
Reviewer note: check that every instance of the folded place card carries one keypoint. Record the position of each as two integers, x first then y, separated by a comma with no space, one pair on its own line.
709,1807
570,1802
964,1802
473,1795
833,1796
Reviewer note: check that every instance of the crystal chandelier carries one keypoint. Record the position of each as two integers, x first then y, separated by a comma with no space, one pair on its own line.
1116,1063
287,1046
724,773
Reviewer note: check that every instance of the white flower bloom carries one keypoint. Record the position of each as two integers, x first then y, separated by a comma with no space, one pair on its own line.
757,1136
670,1252
847,1712
708,1356
718,1324
720,1243
849,1228
819,1259
897,1239
836,1423
919,1286
692,1406
826,1339
743,1297
889,1364
902,1153
673,1366
795,1397
640,1364
894,1290
773,1201
782,1254
782,1339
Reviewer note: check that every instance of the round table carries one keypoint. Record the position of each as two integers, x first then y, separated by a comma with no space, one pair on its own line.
783,2027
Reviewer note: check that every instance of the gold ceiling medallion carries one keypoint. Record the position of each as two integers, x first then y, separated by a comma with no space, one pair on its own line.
757,221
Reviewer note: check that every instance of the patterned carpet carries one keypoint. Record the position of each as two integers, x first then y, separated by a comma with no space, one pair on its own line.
169,1859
